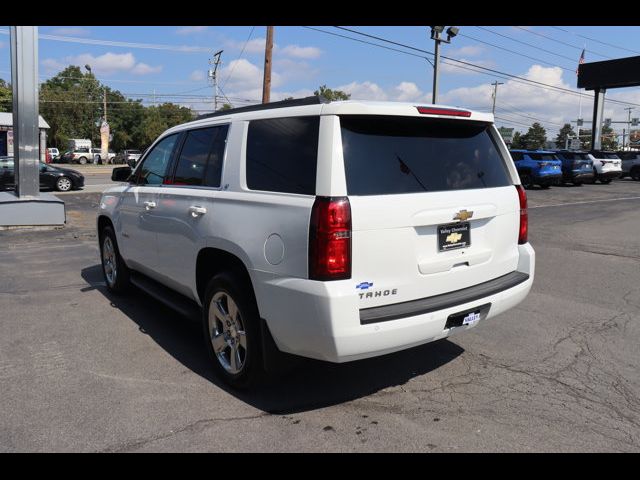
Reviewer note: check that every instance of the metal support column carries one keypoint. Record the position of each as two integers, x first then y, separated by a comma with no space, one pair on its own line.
598,112
24,82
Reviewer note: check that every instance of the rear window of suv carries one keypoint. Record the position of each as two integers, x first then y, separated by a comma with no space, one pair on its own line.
391,155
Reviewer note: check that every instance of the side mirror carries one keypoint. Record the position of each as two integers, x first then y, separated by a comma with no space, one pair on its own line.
121,174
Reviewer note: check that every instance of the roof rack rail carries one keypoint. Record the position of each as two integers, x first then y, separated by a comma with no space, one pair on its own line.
296,102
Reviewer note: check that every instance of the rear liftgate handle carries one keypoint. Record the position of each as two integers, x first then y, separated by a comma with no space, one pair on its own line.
197,211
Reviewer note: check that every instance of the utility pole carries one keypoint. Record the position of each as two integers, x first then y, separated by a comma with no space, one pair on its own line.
628,109
213,75
104,104
266,84
495,94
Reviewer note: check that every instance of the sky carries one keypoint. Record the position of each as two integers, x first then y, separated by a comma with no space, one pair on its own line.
170,63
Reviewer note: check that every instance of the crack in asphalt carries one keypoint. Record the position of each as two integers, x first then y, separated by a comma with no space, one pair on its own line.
194,427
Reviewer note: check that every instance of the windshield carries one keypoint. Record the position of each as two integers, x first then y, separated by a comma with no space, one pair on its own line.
391,155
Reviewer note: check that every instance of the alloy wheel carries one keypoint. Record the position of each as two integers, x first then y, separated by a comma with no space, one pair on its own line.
227,333
109,261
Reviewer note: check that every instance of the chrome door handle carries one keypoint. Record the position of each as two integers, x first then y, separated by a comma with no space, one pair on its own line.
149,205
197,211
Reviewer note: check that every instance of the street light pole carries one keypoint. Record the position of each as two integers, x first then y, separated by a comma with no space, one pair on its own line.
435,35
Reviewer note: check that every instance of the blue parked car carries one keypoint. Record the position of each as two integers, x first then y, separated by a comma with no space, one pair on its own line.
577,167
537,167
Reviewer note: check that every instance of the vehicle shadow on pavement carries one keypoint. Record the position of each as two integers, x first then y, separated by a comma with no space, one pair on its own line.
306,385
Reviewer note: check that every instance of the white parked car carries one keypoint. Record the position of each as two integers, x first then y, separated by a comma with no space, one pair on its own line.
630,164
606,166
336,231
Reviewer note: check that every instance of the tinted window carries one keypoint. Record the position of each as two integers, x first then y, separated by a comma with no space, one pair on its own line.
516,156
154,168
542,156
388,155
282,154
200,161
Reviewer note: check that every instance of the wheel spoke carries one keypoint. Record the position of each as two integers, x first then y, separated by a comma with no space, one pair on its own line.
242,339
234,358
218,343
220,313
232,308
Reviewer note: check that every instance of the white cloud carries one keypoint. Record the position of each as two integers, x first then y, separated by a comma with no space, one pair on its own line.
447,66
300,52
72,31
246,76
190,30
468,51
403,92
252,46
144,69
105,64
197,76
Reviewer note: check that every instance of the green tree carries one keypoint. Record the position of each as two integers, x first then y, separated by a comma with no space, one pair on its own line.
226,106
517,143
565,132
609,139
6,104
535,138
331,95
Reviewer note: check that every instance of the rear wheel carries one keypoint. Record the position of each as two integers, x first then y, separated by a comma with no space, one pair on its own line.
526,181
82,160
635,173
232,330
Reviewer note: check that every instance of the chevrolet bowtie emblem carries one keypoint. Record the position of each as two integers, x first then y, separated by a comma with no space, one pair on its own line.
463,215
453,237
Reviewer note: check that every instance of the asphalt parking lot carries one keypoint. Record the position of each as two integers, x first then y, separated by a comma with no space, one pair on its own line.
81,370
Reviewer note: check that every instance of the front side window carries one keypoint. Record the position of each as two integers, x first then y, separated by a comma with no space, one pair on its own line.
200,160
154,168
282,154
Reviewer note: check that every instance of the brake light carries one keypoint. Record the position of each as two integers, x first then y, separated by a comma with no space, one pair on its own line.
330,239
444,111
523,233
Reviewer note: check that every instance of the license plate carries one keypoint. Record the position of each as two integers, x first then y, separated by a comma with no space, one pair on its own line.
453,236
468,317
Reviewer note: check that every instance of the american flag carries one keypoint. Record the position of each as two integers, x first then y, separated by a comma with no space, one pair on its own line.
580,62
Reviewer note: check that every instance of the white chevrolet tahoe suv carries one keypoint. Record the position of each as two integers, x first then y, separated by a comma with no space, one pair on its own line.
336,231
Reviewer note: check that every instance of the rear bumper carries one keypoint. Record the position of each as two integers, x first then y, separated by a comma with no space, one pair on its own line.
548,178
610,174
322,322
578,176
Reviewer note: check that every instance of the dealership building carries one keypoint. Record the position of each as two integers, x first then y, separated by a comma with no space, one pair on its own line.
6,135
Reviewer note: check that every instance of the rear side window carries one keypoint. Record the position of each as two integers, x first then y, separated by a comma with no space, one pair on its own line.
391,155
200,160
282,154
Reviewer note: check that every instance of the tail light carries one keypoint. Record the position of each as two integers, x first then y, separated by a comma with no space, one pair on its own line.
451,112
330,239
523,234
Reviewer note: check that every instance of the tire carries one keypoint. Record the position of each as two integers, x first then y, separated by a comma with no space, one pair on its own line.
578,183
236,352
525,180
635,173
115,271
595,176
82,160
545,186
64,184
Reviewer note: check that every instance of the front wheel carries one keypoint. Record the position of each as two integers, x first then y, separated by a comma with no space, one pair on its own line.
232,330
64,184
82,160
115,271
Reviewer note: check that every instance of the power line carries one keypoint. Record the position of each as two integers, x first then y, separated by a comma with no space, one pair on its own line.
494,72
561,42
515,53
114,43
239,57
597,41
524,43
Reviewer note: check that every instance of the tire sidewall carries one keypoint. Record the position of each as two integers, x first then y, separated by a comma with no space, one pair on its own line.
122,272
231,284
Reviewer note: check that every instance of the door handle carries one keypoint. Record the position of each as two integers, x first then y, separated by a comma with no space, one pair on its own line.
149,205
197,211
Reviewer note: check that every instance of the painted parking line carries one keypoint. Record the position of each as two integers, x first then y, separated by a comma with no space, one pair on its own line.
586,202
